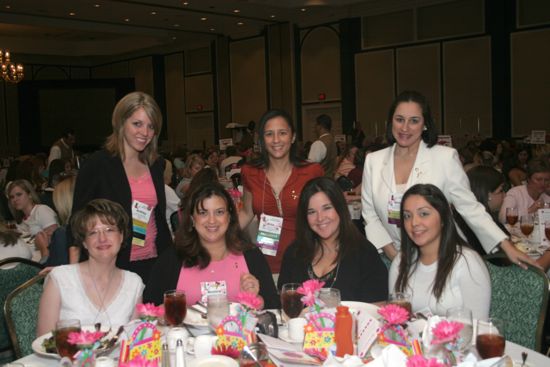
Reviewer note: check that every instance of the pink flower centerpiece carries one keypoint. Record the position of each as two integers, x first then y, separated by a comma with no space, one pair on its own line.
149,312
421,361
309,290
446,332
85,339
393,314
251,301
392,330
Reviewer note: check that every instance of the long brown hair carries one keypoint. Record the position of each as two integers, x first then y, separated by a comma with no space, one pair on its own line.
450,246
308,241
29,189
187,241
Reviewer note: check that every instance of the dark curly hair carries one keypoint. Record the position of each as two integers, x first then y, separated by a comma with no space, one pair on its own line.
187,241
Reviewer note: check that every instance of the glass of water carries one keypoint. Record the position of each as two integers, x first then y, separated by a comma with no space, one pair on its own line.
330,297
463,315
217,309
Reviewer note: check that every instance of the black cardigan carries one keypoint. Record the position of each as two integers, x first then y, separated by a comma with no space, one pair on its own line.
362,276
102,176
166,271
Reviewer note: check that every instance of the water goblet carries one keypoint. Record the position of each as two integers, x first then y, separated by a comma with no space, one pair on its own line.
511,216
330,297
402,299
217,308
526,224
464,316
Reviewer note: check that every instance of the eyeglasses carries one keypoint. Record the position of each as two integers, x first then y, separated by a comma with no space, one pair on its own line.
107,231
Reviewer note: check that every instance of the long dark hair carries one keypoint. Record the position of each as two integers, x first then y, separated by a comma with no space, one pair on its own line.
429,136
450,246
187,241
483,181
263,160
308,241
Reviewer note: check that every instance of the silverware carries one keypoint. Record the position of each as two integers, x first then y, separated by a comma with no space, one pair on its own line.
203,314
251,354
523,358
114,339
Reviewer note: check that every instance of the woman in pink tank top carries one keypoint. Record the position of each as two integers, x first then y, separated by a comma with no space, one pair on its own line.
211,254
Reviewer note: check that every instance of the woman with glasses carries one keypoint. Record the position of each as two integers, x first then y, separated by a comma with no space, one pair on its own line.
95,290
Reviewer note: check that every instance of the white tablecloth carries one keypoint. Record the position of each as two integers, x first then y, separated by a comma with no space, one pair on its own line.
513,350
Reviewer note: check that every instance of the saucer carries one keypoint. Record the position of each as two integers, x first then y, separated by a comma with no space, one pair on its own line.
283,335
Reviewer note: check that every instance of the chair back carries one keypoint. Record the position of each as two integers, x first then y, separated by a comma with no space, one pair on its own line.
519,297
20,311
10,279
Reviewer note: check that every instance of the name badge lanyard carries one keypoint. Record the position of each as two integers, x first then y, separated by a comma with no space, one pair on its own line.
269,230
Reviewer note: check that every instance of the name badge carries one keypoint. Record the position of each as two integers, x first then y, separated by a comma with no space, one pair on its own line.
394,207
141,213
212,288
269,234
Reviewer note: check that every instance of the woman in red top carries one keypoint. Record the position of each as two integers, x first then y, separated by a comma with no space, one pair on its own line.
273,183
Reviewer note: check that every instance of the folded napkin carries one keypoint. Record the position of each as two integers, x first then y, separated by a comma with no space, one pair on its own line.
391,356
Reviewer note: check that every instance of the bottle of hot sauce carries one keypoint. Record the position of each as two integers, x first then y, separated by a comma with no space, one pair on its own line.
342,331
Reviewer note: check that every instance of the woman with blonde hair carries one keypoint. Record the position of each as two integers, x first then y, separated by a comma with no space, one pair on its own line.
193,164
129,171
63,198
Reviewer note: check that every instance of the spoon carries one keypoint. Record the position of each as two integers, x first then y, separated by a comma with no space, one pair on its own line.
523,358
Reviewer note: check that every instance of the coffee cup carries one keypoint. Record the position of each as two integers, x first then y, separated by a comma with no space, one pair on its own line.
203,345
296,328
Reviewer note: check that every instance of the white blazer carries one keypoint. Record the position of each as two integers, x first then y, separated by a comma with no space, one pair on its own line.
438,165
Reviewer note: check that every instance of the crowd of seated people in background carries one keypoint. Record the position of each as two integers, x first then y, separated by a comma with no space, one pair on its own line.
208,238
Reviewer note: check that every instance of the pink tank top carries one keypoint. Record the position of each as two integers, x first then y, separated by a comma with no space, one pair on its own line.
143,190
219,276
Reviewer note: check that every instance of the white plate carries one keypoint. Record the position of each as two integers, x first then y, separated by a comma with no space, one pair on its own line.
355,307
214,361
193,318
39,349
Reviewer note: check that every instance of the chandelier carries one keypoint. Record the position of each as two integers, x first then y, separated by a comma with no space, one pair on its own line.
10,72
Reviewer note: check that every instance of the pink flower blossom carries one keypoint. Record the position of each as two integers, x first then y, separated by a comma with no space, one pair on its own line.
308,289
393,314
84,337
149,311
421,361
446,331
250,300
140,361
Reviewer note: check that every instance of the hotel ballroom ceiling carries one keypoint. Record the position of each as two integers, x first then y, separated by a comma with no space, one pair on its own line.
95,28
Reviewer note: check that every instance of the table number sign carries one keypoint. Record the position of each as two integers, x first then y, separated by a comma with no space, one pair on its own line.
367,332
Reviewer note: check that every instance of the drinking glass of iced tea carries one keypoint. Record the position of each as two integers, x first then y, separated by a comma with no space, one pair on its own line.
61,334
175,307
526,224
490,340
401,299
511,216
291,300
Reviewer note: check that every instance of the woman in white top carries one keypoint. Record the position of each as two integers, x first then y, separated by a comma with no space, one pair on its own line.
414,157
94,290
31,216
434,266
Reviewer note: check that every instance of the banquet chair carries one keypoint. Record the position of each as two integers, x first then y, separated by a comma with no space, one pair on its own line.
20,311
13,277
519,297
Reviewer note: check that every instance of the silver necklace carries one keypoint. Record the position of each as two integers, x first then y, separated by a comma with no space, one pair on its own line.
102,307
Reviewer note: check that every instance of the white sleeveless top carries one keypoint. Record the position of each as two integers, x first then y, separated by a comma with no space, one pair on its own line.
75,304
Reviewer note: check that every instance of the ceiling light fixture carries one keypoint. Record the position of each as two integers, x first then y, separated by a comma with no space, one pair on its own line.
176,25
185,3
153,13
240,23
10,72
212,29
236,11
272,16
303,9
204,18
8,6
72,14
97,5
127,19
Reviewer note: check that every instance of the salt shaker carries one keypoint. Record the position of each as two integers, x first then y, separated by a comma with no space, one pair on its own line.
180,354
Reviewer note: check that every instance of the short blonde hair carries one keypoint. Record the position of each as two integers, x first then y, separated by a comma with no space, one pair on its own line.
63,198
122,112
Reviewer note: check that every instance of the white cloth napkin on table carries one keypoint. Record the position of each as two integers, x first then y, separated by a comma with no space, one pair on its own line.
346,361
391,356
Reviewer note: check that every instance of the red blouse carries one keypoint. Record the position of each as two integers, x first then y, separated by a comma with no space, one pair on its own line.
263,201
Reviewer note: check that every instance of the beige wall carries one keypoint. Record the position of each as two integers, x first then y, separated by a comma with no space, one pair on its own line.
175,100
248,80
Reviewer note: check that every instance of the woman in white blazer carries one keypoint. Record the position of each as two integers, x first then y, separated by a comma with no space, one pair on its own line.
415,158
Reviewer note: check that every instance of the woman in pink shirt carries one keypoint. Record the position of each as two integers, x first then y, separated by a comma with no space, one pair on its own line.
211,254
